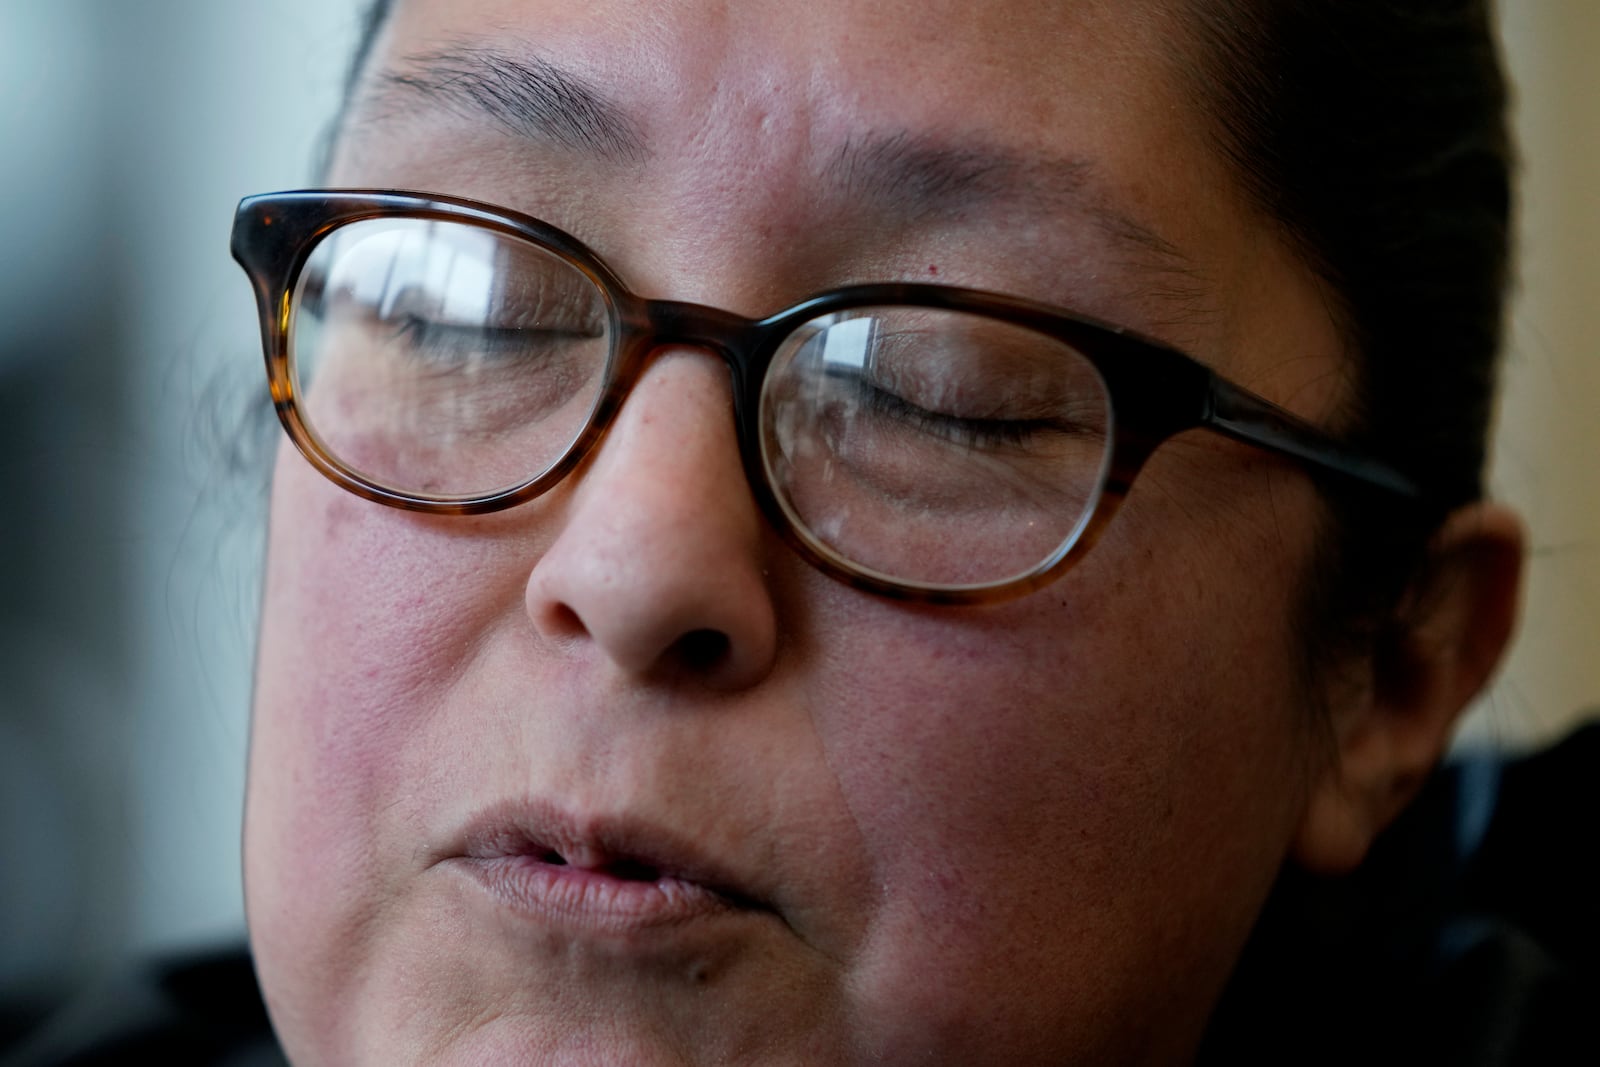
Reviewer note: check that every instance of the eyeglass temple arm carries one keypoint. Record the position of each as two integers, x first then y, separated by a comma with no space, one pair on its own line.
1241,414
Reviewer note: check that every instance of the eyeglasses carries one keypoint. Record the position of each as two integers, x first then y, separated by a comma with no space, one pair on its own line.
920,441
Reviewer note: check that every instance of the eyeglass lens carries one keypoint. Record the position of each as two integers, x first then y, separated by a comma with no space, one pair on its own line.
443,359
934,446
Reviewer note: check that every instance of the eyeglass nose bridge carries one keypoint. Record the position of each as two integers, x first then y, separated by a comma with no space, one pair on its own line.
658,324
650,327
747,347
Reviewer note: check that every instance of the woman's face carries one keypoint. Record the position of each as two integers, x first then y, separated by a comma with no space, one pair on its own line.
615,777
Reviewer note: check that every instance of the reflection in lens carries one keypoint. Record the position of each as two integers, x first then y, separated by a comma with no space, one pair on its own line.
934,446
444,359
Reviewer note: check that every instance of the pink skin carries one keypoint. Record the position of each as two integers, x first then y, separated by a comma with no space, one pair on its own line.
1032,833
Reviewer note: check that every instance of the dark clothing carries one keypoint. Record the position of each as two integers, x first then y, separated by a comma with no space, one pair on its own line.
177,1013
1470,937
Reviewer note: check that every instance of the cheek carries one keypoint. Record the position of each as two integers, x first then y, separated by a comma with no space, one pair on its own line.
1075,793
368,615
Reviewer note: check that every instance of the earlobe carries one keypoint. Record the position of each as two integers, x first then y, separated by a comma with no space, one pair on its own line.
1452,629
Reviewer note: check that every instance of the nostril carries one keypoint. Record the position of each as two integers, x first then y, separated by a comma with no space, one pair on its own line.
701,650
561,619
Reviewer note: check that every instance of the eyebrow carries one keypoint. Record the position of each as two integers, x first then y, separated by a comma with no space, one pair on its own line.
527,96
902,175
916,176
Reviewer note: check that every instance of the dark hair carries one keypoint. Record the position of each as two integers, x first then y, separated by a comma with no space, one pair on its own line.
1374,132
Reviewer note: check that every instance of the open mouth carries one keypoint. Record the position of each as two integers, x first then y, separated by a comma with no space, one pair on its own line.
626,870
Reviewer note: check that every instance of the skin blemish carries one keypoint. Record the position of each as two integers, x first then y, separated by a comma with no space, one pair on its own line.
933,269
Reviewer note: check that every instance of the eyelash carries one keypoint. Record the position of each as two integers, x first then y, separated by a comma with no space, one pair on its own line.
969,432
422,333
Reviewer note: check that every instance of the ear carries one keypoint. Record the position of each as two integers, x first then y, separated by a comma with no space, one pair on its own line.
1390,730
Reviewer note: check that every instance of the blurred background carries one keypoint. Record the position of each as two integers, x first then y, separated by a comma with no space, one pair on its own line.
132,462
134,438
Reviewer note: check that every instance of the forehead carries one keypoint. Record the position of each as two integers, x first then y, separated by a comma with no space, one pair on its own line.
819,45
761,89
891,42
1064,128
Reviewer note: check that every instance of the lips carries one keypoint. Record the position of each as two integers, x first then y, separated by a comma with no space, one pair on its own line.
615,875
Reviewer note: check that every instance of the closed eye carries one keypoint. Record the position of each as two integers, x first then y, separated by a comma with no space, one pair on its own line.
967,431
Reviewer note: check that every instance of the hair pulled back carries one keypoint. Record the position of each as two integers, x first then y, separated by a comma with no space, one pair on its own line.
1376,134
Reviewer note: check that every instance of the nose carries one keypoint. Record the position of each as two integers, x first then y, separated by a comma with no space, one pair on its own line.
660,559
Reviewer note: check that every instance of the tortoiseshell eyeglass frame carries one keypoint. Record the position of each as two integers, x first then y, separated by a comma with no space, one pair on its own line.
1155,392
